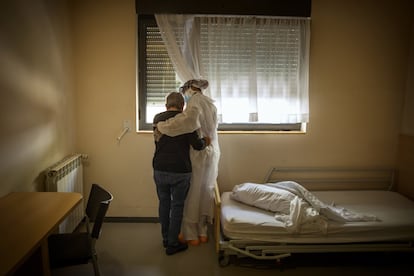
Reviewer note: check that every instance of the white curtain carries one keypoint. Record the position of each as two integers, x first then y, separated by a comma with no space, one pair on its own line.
257,67
180,34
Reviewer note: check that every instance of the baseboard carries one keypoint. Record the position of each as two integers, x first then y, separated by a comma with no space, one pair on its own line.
132,219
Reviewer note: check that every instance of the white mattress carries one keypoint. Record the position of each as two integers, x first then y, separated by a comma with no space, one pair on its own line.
394,211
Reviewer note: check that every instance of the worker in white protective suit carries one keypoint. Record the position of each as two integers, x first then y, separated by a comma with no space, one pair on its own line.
201,115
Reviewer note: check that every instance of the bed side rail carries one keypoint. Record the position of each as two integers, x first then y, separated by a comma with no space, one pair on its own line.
335,178
217,216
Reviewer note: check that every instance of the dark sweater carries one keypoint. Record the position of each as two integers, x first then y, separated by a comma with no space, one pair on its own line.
172,154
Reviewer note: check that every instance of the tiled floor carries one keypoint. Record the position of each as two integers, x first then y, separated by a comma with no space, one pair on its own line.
136,249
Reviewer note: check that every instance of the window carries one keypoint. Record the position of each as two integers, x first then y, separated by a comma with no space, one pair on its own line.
156,72
257,69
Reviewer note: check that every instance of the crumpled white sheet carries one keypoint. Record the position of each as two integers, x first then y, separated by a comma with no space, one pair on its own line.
305,208
330,211
301,214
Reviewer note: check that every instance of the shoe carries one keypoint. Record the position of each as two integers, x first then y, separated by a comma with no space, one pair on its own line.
175,249
165,243
181,238
203,239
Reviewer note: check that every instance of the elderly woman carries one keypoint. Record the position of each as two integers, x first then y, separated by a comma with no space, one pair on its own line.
201,115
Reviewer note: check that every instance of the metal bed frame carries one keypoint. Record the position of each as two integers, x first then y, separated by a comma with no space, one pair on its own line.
312,179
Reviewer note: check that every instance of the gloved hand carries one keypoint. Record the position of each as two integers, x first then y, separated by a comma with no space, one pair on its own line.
208,140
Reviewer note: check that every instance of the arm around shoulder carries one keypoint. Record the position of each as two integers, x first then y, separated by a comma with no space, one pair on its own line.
185,122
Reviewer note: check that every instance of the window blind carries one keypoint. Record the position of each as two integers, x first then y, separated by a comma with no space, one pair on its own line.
274,54
160,74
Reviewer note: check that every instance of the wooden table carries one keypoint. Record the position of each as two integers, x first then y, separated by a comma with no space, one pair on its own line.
26,221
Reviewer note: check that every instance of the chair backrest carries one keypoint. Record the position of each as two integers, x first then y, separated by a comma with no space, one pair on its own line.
98,203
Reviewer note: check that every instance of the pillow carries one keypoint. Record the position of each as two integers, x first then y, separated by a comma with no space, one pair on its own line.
262,196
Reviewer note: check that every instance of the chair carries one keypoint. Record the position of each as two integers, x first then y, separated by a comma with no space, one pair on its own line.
77,248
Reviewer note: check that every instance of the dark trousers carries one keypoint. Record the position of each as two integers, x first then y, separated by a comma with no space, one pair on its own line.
172,189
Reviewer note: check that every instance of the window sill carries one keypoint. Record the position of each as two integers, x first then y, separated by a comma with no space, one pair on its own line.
242,132
260,132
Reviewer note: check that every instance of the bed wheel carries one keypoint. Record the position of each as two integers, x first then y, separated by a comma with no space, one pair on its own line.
223,259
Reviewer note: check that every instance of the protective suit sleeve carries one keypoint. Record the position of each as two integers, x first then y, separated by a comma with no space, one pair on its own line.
185,122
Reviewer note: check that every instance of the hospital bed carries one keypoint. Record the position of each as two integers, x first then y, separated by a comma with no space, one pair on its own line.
243,230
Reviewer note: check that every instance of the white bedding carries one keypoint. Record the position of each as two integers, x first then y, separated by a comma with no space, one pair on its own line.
394,215
295,206
264,196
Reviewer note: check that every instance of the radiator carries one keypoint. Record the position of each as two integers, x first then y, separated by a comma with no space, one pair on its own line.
67,176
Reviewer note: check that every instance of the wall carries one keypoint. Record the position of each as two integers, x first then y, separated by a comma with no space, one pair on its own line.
358,70
406,142
408,111
36,99
104,41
